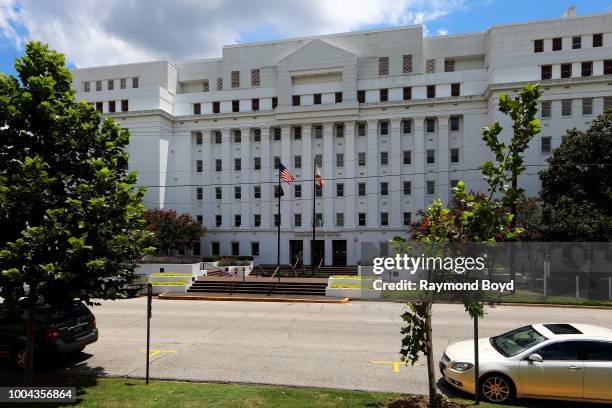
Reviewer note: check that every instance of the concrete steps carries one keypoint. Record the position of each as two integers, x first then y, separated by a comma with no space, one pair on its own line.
247,287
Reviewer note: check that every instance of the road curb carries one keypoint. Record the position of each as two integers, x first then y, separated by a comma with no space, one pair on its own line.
251,299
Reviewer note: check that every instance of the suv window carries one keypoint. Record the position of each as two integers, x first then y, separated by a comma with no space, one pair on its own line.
597,351
561,351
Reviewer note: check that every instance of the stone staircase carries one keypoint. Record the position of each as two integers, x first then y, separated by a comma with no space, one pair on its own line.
262,287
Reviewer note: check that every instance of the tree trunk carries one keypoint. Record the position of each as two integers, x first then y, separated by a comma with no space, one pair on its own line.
29,367
431,372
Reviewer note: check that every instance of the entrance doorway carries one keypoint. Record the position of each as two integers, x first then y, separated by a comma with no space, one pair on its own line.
318,251
339,252
296,251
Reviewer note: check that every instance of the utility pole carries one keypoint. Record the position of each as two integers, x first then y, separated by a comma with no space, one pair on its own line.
314,221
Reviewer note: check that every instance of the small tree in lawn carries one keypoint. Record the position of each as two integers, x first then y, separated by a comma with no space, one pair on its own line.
473,218
172,232
70,214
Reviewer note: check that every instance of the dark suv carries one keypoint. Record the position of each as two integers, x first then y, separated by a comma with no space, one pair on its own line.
62,331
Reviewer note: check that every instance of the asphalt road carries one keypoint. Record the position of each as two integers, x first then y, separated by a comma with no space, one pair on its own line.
353,345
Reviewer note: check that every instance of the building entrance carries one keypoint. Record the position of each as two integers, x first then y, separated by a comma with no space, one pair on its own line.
339,252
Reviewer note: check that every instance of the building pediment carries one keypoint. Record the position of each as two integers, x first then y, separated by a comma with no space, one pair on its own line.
320,51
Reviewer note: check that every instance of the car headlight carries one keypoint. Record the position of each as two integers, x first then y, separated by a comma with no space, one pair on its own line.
461,367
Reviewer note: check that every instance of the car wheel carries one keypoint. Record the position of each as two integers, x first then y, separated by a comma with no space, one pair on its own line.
19,357
497,388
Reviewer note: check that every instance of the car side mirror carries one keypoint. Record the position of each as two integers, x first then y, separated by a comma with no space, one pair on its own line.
536,358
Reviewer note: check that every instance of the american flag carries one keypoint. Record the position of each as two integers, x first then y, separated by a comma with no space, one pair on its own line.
285,175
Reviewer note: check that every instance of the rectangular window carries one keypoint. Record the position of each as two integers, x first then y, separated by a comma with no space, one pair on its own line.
407,218
215,247
86,86
339,130
318,132
316,99
431,156
361,159
407,187
237,136
607,105
125,105
274,102
297,133
123,83
219,84
455,89
237,193
384,188
199,193
257,192
319,160
546,144
318,219
406,126
218,193
276,136
431,91
557,44
384,95
449,66
199,166
454,155
297,191
566,107
255,104
197,108
338,97
587,106
407,157
256,135
538,46
361,129
597,40
257,220
218,137
218,220
566,70
297,220
216,107
205,86
430,125
255,77
318,191
254,248
199,219
110,84
100,107
361,189
276,161
361,219
384,128
218,165
339,160
297,162
235,79
546,111
587,68
339,190
576,42
277,220
361,96
384,158
430,66
608,67
235,248
546,71
383,65
339,219
111,106
237,164
407,93
431,187
384,218
407,63
135,82
454,123
98,86
296,100
235,106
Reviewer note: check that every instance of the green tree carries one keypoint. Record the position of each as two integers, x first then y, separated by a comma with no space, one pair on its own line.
577,186
70,215
172,232
473,218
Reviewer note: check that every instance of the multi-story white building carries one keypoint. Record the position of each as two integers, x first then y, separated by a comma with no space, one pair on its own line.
392,117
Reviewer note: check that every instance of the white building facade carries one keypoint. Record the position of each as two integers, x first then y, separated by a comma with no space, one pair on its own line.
391,117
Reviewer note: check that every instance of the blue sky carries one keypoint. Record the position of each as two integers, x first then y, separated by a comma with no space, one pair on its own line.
113,31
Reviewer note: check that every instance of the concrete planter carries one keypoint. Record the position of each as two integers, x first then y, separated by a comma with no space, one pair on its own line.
186,279
349,281
150,268
157,289
352,293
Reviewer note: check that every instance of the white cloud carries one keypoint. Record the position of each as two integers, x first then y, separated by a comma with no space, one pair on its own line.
120,31
442,31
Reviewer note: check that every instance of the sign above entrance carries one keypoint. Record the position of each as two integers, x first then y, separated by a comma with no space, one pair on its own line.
318,235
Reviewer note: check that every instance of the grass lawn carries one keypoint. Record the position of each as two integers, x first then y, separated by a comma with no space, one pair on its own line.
120,392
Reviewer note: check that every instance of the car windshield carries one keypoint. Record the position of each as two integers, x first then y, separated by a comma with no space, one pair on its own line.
516,341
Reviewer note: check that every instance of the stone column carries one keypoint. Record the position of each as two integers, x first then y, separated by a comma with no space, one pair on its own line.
372,172
307,182
328,174
395,218
267,183
245,178
350,164
208,209
226,178
443,160
418,178
286,208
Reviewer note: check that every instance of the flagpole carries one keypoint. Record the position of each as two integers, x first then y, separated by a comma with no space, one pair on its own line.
278,231
314,221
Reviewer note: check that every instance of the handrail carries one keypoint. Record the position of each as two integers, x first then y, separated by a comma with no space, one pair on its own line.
295,264
260,268
320,263
213,266
270,281
232,282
